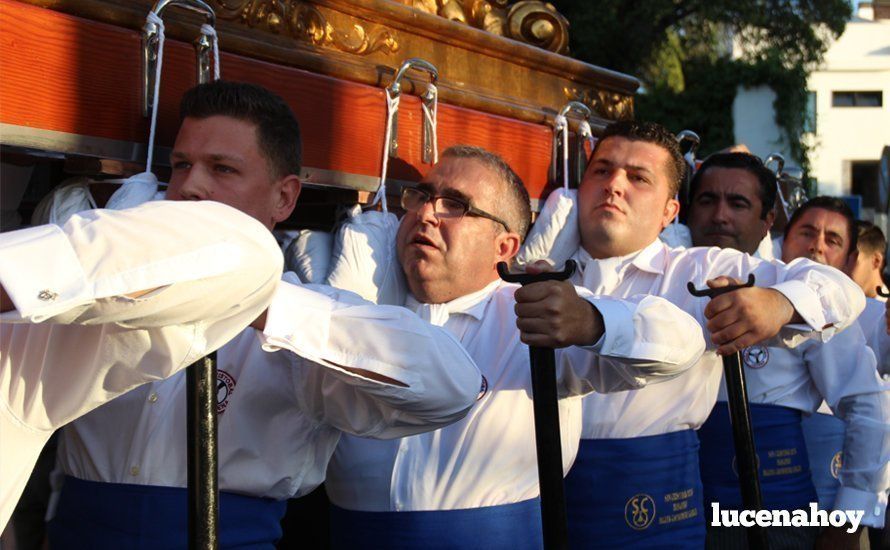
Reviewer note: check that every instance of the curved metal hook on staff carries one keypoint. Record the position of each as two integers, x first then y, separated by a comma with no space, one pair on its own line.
795,195
202,465
694,139
429,102
150,47
561,142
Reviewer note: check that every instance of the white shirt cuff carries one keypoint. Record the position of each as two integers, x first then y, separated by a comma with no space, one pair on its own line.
52,281
806,302
872,504
298,320
618,327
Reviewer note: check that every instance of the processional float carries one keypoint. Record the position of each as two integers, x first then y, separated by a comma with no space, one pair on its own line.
80,90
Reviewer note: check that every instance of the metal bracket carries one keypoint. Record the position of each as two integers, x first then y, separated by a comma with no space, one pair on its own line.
780,163
691,137
580,164
150,48
428,97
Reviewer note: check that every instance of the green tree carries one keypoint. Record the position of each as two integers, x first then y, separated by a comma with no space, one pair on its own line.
681,51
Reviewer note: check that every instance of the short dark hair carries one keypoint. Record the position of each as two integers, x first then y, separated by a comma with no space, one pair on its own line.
832,204
870,238
651,132
278,131
742,161
518,206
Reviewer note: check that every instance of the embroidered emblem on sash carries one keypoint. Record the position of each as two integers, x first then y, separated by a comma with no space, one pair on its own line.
639,512
755,357
837,462
483,389
225,385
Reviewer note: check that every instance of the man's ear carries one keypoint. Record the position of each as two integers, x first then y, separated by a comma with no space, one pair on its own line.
288,191
877,260
852,260
770,218
671,209
507,245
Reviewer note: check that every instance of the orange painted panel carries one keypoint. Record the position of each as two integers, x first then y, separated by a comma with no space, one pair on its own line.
69,74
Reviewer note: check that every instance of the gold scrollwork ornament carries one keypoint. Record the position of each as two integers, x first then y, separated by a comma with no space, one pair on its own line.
307,23
609,105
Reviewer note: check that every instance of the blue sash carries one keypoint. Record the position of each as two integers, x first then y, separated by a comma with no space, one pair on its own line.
509,527
113,516
824,435
784,468
641,492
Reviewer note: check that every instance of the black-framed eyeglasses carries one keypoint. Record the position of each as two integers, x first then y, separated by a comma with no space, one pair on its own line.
414,198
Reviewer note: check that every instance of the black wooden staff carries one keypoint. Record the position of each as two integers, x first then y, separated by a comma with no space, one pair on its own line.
554,520
203,495
742,432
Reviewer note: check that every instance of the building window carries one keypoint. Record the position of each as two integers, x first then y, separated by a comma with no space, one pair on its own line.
857,99
809,121
864,181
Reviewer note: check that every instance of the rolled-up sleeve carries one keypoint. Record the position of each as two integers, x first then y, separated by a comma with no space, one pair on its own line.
346,349
845,374
115,299
647,339
827,300
198,261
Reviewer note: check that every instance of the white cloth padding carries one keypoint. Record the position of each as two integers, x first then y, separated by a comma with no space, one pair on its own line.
70,197
309,255
676,235
364,257
135,190
765,249
555,235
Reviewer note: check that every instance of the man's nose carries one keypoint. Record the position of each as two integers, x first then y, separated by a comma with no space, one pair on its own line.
616,183
195,185
427,213
817,244
721,212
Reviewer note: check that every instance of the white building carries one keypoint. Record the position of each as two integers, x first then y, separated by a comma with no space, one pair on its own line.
850,94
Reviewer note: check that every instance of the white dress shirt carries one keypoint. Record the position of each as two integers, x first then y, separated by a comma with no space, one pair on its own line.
823,296
874,326
281,414
488,458
210,271
842,372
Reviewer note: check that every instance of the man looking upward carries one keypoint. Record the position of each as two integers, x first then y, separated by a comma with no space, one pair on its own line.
475,483
636,480
346,365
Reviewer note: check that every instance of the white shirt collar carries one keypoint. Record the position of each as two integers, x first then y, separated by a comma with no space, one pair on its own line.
649,259
472,304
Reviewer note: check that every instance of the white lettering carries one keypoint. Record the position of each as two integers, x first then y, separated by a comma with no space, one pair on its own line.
837,518
855,517
730,517
817,516
715,514
781,517
786,518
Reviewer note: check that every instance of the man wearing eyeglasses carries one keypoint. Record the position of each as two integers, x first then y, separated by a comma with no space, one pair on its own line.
345,365
474,483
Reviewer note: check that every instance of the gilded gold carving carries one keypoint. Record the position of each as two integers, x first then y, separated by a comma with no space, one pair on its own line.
305,22
609,105
539,24
530,21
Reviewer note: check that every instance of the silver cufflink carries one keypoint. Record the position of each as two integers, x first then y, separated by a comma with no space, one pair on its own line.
47,295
